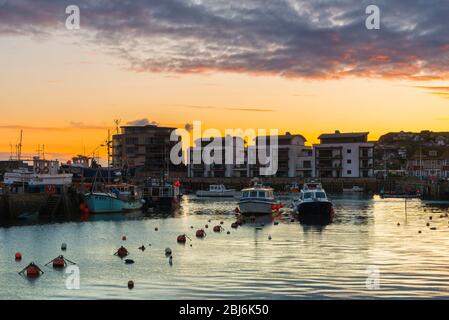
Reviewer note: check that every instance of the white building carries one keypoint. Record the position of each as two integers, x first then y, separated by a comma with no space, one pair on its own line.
344,155
220,170
294,158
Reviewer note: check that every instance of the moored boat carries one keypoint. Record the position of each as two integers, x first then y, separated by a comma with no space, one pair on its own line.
99,202
160,193
257,200
313,206
217,191
353,189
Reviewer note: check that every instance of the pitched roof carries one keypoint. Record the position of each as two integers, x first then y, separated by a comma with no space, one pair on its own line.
343,135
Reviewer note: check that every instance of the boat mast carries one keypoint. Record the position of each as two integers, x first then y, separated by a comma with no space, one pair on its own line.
19,146
108,144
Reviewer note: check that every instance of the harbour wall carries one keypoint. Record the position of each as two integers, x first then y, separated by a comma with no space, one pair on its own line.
435,191
14,204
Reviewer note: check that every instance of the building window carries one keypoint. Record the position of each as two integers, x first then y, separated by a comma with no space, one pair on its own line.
349,151
349,161
349,172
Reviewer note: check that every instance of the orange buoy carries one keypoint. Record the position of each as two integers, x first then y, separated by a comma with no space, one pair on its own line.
18,256
217,228
181,238
200,233
122,252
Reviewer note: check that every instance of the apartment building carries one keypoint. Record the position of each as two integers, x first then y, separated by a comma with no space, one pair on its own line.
344,155
146,149
294,158
223,170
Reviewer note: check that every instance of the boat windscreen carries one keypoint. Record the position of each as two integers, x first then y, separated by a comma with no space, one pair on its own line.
308,195
320,195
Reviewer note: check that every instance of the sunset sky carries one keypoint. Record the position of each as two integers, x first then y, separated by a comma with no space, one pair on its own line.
306,67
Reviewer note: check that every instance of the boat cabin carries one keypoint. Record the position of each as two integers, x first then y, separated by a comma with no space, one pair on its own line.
258,193
217,188
312,191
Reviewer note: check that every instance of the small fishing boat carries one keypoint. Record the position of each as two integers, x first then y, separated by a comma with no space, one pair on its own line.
257,200
312,205
400,195
99,202
113,198
26,216
353,189
217,191
161,193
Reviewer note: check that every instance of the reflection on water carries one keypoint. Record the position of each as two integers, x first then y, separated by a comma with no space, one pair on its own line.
270,257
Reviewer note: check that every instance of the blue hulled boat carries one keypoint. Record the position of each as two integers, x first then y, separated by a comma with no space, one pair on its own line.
99,202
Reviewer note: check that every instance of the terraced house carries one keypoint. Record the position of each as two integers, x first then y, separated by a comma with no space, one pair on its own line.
430,162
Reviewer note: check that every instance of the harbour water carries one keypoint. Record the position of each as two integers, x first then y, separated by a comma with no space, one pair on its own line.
299,262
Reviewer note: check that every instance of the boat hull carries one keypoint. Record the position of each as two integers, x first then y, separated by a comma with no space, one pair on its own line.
103,203
211,194
255,207
320,212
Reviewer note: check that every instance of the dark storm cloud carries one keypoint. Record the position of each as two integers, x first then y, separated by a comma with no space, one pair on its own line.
291,38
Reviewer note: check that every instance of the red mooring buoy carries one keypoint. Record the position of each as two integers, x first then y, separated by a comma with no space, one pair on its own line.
31,271
18,256
181,238
122,252
200,233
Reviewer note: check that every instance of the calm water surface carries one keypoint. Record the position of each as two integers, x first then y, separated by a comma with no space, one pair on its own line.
299,262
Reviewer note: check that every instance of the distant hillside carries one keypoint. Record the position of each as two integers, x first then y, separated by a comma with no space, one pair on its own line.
405,139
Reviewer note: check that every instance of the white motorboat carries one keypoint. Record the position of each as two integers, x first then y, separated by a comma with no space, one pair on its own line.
217,191
257,200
